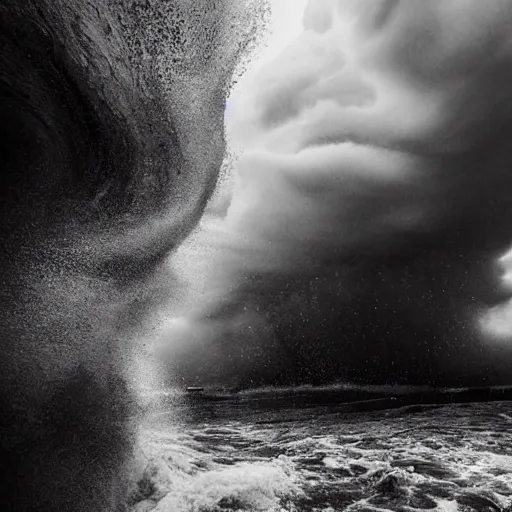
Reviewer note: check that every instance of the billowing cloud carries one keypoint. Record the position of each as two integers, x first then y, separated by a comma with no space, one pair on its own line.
370,203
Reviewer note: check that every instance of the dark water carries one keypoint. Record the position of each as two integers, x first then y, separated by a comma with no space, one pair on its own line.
254,455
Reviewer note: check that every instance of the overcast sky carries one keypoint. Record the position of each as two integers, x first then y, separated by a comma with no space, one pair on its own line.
356,232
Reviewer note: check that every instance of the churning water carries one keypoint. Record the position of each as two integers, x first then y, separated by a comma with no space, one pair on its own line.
249,455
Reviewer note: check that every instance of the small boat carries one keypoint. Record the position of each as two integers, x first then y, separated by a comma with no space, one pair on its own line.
194,389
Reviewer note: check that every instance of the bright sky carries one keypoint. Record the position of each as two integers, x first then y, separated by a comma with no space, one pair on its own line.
285,26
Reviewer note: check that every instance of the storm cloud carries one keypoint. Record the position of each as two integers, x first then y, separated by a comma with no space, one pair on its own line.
369,206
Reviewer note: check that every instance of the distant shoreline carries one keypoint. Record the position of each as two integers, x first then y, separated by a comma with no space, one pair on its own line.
352,398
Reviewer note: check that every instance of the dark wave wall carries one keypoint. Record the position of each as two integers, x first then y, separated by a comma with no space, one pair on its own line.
111,140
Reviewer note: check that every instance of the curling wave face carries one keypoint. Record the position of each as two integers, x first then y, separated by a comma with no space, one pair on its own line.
111,142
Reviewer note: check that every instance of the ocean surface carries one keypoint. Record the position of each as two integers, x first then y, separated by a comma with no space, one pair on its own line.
290,452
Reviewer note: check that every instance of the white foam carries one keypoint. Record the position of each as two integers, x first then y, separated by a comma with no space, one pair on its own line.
446,506
246,486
